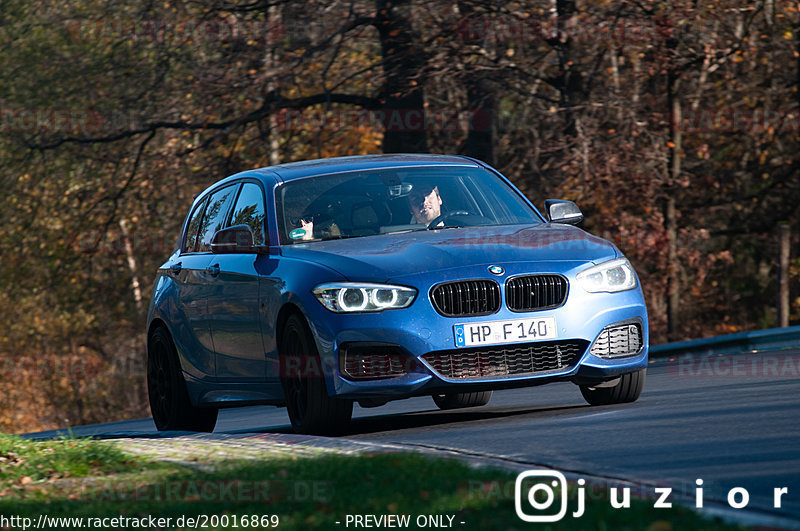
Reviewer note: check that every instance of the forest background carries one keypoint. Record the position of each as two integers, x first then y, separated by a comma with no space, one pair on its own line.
674,124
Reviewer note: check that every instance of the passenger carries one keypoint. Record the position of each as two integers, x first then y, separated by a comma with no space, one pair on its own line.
307,226
326,228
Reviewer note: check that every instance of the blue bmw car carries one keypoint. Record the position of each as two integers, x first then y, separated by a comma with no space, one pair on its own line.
317,284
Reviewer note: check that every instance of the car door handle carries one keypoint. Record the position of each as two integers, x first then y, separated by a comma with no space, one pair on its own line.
176,268
213,270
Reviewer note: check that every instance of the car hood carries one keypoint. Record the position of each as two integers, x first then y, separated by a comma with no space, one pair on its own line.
381,258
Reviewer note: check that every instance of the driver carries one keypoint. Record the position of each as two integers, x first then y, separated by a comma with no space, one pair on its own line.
425,203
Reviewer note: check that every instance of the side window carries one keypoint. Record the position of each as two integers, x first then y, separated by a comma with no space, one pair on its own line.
190,241
214,218
249,210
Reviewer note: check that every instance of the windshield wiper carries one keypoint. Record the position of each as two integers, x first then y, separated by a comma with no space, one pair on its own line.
339,237
403,231
446,227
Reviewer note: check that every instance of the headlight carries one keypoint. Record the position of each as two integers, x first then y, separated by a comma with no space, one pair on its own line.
616,275
343,297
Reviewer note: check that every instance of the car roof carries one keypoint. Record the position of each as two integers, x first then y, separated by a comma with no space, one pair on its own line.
271,175
298,170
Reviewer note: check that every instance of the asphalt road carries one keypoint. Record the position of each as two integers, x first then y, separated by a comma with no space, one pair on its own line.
733,421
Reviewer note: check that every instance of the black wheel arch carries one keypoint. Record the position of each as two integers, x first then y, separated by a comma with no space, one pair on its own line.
286,311
157,322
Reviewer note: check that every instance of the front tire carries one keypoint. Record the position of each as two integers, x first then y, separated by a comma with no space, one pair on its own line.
170,404
461,400
311,410
628,389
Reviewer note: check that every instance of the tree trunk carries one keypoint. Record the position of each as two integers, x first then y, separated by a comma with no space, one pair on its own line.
481,105
273,138
670,216
135,284
569,79
784,244
481,93
402,97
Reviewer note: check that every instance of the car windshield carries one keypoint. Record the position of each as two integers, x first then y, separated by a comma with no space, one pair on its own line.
365,203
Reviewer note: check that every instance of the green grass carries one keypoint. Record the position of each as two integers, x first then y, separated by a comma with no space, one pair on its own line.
23,461
95,479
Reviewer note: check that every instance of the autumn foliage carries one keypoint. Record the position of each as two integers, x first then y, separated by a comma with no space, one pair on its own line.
675,126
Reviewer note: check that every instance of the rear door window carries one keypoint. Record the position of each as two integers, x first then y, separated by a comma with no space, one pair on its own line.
190,240
214,217
249,210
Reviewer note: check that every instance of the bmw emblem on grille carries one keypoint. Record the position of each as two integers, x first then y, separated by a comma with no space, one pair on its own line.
496,270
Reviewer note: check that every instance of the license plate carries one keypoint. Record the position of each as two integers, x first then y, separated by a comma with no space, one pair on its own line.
501,332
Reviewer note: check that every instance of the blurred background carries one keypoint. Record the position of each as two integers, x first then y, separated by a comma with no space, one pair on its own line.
675,125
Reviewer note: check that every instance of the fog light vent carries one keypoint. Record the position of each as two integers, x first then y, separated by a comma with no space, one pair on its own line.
372,362
618,341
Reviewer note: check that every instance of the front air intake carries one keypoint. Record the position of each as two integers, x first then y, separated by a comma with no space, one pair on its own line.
529,359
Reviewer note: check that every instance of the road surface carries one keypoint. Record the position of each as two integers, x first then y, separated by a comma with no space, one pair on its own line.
732,421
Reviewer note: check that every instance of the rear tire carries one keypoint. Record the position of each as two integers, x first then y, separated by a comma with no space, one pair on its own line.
170,404
311,410
628,389
461,400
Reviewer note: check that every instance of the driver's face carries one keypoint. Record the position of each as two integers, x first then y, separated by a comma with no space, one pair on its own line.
425,208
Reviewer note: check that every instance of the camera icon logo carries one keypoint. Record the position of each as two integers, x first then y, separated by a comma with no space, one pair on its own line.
536,490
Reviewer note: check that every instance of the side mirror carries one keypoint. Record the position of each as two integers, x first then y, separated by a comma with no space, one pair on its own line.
236,239
561,211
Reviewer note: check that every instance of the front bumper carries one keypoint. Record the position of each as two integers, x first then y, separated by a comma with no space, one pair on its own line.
419,330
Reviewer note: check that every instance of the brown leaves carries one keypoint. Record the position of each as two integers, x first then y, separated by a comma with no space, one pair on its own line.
11,459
